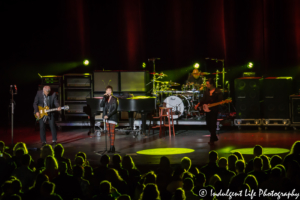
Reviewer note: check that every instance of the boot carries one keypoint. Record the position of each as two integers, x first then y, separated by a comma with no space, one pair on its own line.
111,149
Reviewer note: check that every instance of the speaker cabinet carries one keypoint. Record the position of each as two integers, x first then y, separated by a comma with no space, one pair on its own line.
248,97
276,92
295,109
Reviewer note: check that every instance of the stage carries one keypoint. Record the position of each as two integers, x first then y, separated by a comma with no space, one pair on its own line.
75,139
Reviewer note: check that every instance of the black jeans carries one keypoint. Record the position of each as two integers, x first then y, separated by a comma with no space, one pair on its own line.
43,129
211,122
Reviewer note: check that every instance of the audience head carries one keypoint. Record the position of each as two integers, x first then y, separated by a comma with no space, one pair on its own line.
257,150
63,167
150,177
78,171
16,186
188,175
295,148
179,194
178,173
47,150
209,196
127,163
275,172
19,153
213,156
117,159
20,145
104,160
59,150
214,179
257,164
223,162
188,184
51,163
113,176
283,170
231,162
252,182
83,155
105,187
25,160
150,192
79,160
7,188
47,188
293,169
266,162
186,163
240,166
239,155
164,163
275,160
200,179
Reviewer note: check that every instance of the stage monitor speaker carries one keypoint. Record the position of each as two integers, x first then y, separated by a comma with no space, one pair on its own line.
276,94
134,81
248,97
295,109
104,78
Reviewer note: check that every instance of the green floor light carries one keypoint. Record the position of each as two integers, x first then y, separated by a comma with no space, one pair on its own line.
165,151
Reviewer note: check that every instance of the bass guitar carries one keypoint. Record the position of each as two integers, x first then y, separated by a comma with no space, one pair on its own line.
213,104
45,110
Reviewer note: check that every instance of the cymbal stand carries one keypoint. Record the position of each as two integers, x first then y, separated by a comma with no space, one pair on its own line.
12,92
105,132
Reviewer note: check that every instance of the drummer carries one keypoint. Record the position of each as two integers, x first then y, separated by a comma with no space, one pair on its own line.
195,78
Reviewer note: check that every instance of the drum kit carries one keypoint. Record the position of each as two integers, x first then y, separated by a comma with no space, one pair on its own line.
182,101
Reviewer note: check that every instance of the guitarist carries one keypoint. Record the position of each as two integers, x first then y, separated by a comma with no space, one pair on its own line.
43,98
211,95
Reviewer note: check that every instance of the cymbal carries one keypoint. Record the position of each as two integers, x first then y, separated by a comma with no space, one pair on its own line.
219,73
157,74
174,84
205,73
164,82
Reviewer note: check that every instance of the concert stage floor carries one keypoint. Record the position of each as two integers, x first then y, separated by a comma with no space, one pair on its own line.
76,139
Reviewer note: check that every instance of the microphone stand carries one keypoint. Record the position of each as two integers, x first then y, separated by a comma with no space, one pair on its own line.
105,151
12,112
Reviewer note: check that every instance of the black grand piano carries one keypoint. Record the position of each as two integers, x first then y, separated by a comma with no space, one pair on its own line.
140,104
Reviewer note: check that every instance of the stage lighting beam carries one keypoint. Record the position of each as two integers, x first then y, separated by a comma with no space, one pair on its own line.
196,65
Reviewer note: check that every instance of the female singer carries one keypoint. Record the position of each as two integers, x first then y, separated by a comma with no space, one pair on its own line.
110,114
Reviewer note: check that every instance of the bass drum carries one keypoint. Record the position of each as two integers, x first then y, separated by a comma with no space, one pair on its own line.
179,105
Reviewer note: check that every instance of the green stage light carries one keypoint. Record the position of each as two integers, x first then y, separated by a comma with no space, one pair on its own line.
165,151
144,65
250,65
266,150
86,62
196,65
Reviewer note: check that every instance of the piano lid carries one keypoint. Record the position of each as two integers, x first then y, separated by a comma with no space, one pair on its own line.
137,104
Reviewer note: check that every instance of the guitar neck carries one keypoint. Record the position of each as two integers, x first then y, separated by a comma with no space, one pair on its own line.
215,104
54,109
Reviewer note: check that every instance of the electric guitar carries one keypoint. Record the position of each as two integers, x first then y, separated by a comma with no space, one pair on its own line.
214,104
45,110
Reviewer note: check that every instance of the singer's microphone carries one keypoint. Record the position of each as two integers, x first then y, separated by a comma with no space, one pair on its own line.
153,59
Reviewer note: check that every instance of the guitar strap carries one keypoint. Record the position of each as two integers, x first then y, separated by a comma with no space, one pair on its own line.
45,104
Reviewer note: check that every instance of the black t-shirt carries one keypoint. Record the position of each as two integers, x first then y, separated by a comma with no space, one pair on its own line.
217,96
191,79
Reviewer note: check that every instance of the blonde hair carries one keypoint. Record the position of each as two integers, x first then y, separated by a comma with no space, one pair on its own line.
47,150
20,145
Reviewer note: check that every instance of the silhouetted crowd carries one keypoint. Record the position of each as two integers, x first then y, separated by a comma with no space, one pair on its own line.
53,177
